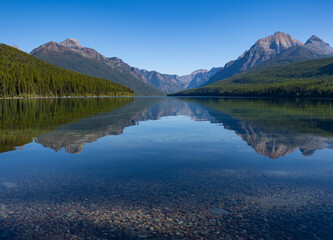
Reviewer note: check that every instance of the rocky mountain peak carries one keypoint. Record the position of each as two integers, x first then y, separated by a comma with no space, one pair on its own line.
313,39
71,43
278,41
199,71
264,49
319,46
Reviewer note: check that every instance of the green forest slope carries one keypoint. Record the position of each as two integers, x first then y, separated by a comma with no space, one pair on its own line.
22,75
312,78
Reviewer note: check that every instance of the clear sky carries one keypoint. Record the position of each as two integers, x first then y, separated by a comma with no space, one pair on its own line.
170,36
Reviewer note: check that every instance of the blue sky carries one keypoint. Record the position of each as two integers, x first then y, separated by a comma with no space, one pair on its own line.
170,36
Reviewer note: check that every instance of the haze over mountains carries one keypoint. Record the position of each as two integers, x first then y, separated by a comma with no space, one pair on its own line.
279,48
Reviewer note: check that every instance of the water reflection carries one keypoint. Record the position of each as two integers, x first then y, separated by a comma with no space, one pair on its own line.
166,168
273,128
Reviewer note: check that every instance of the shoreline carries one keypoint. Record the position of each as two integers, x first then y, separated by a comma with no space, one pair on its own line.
12,98
171,96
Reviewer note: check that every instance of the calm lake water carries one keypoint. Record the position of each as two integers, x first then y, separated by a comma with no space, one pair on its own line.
166,168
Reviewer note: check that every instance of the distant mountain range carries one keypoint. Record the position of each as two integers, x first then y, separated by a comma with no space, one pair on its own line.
279,48
71,55
174,83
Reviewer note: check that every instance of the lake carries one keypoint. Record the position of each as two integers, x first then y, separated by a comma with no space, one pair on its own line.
166,168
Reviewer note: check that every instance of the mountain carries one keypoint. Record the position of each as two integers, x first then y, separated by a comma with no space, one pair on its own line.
22,75
71,55
200,78
312,78
166,82
260,52
174,83
119,64
314,48
319,46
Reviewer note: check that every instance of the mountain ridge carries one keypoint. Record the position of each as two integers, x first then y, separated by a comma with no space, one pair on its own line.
71,55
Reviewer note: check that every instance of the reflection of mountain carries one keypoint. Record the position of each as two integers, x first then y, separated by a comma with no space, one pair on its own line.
272,128
275,143
74,136
275,128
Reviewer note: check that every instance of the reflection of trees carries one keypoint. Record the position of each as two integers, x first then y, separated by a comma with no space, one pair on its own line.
22,120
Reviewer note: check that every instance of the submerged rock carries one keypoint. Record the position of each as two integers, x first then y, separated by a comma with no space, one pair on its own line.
218,211
9,185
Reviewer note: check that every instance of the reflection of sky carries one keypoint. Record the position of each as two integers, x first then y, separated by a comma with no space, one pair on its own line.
169,142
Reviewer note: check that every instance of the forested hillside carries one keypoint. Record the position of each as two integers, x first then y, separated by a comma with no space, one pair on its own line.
312,78
22,75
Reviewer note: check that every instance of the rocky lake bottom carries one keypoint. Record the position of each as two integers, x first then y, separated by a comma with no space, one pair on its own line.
179,204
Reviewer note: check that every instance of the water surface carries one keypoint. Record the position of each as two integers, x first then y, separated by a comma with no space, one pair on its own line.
167,168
